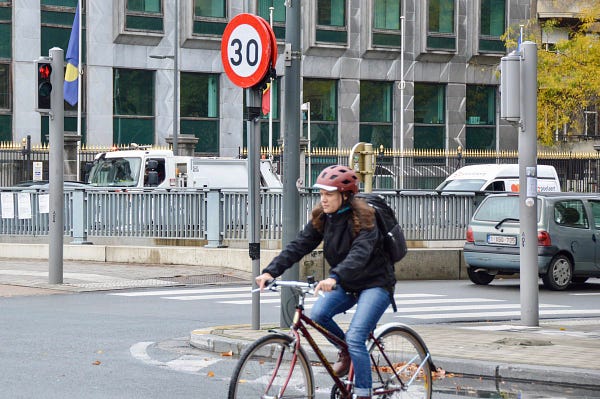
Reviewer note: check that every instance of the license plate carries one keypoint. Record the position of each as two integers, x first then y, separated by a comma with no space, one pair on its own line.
502,240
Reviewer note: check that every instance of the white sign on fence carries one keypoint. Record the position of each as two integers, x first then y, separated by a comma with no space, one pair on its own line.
8,205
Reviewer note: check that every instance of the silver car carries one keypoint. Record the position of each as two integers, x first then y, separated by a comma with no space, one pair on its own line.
568,238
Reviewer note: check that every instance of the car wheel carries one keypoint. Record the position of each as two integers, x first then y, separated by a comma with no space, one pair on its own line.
479,277
560,273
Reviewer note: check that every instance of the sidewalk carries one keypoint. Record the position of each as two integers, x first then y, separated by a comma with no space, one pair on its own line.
559,351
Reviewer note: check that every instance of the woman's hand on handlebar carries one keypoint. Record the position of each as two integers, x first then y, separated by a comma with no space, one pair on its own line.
263,280
325,285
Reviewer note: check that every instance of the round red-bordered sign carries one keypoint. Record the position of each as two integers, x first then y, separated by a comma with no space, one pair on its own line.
246,50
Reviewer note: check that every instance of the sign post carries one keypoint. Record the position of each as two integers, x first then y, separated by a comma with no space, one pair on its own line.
249,53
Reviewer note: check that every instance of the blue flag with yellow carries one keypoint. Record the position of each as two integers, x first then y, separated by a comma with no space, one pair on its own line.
72,71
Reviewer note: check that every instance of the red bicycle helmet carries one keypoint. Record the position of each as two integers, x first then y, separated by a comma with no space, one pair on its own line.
337,177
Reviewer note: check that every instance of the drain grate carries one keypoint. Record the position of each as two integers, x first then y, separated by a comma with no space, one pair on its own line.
217,278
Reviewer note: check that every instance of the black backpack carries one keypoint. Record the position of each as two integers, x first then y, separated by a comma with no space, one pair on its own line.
394,242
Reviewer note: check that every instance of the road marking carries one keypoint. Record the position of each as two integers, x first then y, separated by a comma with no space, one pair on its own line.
485,315
186,363
587,294
181,291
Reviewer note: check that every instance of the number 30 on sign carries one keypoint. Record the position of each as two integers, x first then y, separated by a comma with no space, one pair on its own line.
248,49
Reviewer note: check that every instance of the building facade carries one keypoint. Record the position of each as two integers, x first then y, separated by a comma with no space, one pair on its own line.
443,96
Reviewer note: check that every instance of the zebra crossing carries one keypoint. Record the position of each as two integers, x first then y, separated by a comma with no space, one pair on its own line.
417,306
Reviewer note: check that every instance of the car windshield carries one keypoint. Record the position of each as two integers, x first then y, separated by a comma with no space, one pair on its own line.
461,185
122,172
495,209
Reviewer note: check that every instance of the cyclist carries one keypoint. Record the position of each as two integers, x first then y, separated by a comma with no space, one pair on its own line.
361,272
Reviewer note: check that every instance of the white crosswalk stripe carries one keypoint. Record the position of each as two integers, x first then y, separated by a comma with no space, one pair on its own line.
418,306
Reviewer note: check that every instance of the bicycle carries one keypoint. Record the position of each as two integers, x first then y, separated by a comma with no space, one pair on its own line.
276,366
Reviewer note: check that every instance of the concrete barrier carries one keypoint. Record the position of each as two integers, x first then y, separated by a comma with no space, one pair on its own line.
433,263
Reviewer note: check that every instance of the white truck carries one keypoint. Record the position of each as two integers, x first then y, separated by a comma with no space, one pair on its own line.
139,168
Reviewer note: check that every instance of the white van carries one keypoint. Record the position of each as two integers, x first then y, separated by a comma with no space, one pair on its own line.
498,177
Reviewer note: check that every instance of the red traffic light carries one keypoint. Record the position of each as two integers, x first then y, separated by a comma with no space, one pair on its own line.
44,71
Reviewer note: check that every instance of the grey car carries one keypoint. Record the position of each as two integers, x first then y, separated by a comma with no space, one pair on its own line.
568,238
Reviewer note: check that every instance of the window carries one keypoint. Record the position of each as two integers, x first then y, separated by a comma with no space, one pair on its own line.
440,32
376,113
481,117
331,21
492,25
210,17
430,104
5,30
322,95
570,213
144,15
386,23
264,126
133,106
278,15
200,110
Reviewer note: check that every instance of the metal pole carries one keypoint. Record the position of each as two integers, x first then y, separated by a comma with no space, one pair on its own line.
253,98
529,291
271,97
176,80
402,87
291,149
309,180
56,171
79,107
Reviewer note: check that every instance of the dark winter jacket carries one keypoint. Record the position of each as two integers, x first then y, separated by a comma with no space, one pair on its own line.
358,262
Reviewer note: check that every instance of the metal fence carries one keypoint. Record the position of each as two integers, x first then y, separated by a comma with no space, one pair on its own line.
218,216
410,169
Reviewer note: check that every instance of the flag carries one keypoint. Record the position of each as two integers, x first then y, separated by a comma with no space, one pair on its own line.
520,39
72,72
266,99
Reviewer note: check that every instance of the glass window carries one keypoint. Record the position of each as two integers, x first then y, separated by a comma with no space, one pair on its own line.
331,21
429,109
5,31
440,31
376,113
322,95
386,22
200,110
570,213
5,128
481,117
4,86
144,15
210,17
493,24
133,107
278,15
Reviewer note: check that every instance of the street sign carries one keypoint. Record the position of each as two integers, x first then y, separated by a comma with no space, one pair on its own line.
247,49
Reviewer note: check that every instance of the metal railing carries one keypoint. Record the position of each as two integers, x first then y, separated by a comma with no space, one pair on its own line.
218,216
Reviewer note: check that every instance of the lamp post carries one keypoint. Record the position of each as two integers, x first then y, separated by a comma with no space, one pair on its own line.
175,58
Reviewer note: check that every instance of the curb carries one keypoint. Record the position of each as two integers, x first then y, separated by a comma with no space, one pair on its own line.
209,340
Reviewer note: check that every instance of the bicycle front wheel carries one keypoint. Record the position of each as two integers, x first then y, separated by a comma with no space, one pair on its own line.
400,364
272,368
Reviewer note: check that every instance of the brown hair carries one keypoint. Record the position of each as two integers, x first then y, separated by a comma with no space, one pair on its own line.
363,216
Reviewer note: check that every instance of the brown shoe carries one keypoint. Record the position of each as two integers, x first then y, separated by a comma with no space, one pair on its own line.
341,367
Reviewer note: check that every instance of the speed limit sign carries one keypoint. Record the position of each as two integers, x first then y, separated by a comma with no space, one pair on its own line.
247,49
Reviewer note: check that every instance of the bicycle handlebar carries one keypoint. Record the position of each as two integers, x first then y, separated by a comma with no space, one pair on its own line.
304,287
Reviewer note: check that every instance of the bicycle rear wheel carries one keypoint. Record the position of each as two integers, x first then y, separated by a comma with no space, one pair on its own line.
265,371
400,355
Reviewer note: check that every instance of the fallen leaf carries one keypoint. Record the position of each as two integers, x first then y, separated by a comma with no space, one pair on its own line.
96,363
230,353
210,374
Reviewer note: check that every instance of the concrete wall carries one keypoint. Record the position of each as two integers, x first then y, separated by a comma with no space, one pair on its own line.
419,264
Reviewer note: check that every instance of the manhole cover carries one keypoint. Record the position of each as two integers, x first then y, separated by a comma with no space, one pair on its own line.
217,278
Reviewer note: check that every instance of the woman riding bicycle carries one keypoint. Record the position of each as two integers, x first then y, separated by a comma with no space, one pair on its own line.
361,272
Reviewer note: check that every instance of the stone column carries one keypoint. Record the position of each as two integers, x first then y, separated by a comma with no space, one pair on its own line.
186,144
70,155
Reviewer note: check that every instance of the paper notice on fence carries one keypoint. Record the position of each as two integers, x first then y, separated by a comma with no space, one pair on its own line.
24,205
44,203
8,205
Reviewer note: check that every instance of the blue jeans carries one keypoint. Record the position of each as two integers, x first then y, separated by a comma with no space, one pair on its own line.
371,303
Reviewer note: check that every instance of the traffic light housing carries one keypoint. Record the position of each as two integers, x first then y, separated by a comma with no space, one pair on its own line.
44,84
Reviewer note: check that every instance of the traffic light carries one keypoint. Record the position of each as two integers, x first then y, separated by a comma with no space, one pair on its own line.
44,85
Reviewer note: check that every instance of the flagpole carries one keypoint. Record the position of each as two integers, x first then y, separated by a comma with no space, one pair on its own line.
79,77
271,98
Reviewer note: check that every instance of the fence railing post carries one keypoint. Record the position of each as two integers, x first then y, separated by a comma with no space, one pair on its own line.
79,210
214,216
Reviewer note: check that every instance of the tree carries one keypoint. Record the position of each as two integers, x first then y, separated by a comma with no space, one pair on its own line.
568,77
